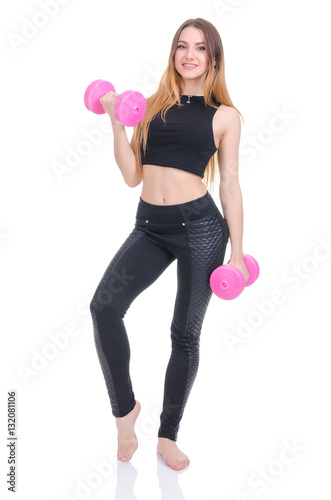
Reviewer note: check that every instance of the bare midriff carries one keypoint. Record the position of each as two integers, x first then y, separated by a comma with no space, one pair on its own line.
170,186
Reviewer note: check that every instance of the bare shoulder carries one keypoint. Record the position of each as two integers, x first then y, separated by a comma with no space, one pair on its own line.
227,119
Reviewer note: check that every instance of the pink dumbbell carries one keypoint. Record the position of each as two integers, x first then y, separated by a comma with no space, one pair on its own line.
130,106
227,282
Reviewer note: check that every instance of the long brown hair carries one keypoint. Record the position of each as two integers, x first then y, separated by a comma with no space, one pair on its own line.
170,88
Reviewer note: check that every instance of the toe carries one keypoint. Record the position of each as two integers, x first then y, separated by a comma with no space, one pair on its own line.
183,463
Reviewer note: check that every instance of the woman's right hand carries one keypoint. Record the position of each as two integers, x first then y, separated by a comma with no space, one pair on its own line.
108,102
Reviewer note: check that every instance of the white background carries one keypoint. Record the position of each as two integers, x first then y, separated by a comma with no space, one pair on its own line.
252,399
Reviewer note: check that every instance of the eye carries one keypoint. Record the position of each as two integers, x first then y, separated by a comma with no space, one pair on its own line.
181,45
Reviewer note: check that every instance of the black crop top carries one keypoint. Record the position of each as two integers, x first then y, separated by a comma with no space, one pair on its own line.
186,140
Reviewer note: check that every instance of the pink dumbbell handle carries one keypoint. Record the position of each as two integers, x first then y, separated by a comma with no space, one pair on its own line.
252,268
227,281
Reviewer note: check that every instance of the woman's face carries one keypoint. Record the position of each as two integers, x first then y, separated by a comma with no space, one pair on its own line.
191,59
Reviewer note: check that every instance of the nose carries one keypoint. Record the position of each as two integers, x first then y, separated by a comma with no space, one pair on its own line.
190,54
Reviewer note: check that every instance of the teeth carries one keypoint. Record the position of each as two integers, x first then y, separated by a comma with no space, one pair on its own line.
190,65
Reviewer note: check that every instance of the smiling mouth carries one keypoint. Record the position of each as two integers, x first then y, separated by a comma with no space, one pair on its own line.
188,65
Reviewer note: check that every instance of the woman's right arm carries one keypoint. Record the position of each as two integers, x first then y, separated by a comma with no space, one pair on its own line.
123,151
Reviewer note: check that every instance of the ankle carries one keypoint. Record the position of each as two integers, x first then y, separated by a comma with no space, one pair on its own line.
165,440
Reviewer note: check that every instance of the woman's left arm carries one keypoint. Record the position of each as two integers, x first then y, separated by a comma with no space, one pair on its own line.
229,190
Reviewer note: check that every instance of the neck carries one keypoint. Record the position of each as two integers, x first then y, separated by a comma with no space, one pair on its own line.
192,92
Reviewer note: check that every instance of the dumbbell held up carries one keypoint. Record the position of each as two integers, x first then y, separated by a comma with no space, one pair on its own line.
227,282
130,106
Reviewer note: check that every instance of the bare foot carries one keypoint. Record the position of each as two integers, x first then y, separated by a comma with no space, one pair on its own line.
127,439
171,454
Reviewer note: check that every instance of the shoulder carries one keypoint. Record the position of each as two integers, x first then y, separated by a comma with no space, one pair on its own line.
227,119
228,114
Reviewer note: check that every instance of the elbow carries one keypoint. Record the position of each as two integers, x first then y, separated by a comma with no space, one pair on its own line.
136,179
129,183
132,183
133,178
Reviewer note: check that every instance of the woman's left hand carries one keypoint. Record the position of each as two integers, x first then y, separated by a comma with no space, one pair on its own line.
240,265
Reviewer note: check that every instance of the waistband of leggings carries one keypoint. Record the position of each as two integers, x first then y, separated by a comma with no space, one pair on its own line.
182,212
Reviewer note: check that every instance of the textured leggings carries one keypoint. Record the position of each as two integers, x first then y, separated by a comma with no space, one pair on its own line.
196,234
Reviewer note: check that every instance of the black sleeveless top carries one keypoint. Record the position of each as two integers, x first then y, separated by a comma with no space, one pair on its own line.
186,140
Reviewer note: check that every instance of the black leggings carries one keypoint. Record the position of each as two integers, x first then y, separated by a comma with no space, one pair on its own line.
196,234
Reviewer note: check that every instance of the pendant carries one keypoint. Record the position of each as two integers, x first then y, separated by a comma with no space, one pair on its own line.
188,101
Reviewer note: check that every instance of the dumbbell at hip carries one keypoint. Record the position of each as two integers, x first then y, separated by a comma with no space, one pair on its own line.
227,281
130,106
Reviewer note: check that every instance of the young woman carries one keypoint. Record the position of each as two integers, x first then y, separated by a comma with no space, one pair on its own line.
190,122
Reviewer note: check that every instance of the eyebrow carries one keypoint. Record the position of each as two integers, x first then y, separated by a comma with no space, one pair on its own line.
186,42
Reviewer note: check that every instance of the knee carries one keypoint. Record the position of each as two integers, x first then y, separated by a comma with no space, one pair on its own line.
105,302
101,304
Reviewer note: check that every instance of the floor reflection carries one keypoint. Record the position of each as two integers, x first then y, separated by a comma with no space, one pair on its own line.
126,478
168,481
